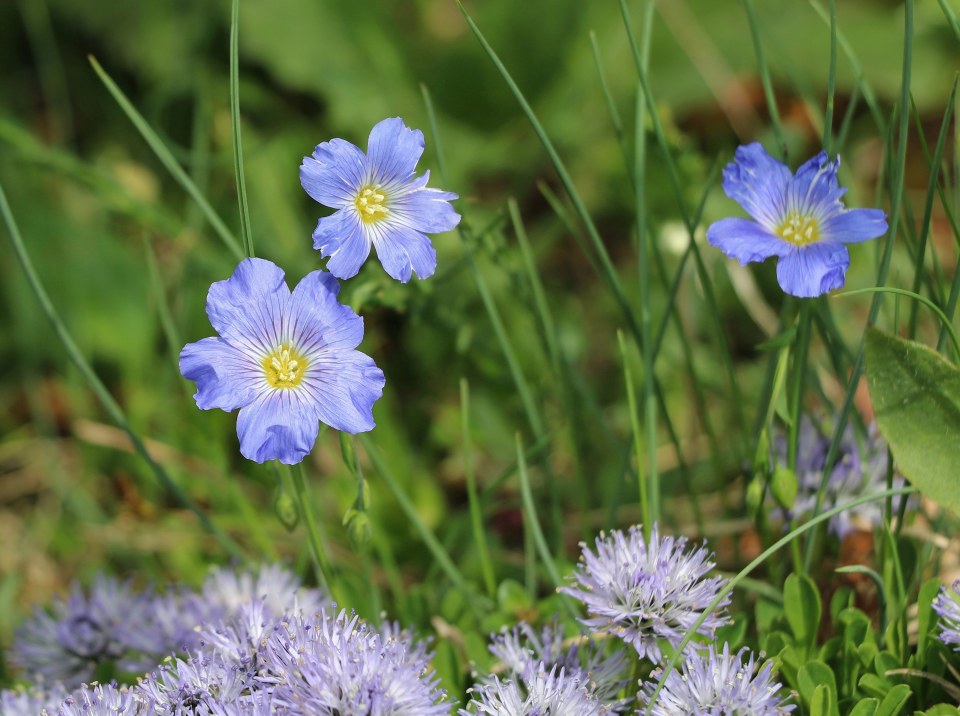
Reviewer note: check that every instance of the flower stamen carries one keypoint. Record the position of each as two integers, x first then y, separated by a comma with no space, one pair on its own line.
284,367
799,229
371,203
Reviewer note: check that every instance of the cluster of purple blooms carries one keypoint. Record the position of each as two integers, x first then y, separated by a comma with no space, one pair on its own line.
860,468
243,644
259,643
287,360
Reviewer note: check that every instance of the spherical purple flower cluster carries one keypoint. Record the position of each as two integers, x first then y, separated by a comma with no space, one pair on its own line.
947,605
262,644
536,692
859,469
644,591
716,683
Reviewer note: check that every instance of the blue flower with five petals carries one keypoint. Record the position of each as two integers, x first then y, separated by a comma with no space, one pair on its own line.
285,360
380,202
800,219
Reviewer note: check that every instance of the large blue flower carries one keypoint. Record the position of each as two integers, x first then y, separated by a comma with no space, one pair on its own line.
798,218
286,360
379,201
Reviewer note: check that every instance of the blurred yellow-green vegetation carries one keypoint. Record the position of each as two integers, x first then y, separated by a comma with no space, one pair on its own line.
127,258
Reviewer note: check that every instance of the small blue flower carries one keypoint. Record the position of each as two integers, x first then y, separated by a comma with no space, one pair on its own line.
286,360
379,202
799,219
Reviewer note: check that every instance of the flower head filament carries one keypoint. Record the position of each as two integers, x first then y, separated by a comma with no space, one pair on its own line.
284,368
371,203
799,229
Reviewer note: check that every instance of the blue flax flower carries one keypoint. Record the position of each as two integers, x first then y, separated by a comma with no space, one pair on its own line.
646,591
286,360
799,219
717,684
380,202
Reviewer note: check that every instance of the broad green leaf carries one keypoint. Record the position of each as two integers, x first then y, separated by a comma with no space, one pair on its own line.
818,687
801,606
865,707
894,701
916,400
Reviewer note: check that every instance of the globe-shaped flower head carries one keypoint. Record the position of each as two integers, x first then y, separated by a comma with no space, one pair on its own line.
380,202
285,360
798,218
645,591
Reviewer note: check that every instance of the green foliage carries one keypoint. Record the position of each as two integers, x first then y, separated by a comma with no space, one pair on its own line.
916,396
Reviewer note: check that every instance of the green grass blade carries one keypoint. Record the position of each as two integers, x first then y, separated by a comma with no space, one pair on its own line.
476,515
896,191
245,233
831,82
93,380
440,555
768,93
168,161
934,163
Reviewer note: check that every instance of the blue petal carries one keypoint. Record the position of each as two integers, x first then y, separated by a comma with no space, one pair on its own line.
342,238
343,389
248,306
758,182
226,377
815,190
854,225
426,210
745,240
334,174
393,151
402,249
278,425
319,322
813,270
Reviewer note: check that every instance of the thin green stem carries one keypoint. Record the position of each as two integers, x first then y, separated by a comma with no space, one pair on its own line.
645,518
323,568
947,326
896,183
768,93
245,232
476,514
167,159
429,539
93,380
533,524
831,82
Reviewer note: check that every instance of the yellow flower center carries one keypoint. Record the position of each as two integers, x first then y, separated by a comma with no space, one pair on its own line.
284,367
799,229
371,203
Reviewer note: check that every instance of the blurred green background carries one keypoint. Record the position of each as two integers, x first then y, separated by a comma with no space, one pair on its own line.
98,210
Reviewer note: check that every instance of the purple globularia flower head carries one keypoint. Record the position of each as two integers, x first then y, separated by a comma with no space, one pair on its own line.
325,665
859,469
91,627
947,605
380,202
227,591
716,684
194,685
31,701
105,700
286,360
642,592
536,692
523,648
799,219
